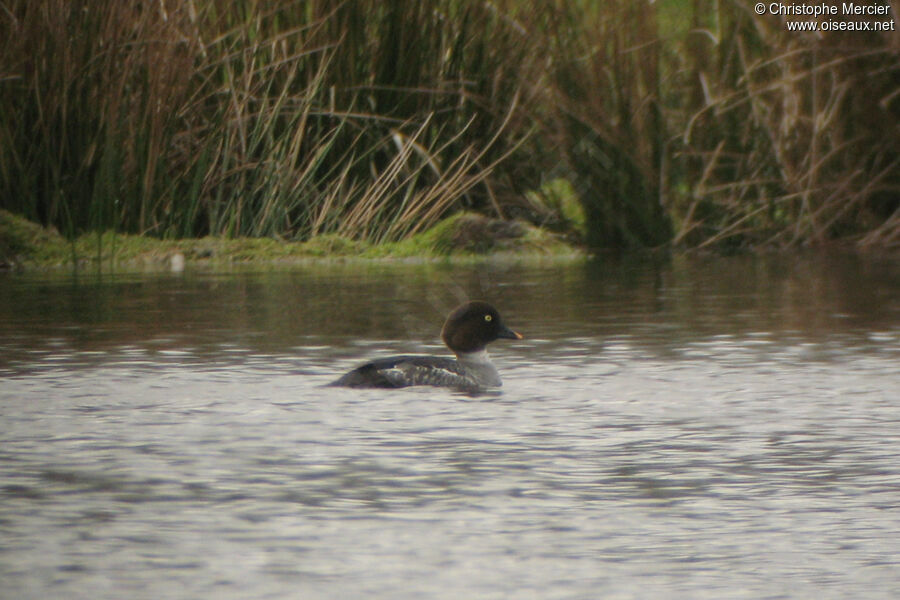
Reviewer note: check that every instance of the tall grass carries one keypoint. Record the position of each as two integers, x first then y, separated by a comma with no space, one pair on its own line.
606,88
693,122
281,118
792,138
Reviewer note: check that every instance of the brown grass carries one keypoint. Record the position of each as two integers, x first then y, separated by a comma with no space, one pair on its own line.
692,122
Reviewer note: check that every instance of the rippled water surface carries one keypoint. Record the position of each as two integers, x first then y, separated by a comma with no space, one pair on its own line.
692,428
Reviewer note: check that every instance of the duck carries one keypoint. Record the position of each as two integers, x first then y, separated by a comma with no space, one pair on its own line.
466,332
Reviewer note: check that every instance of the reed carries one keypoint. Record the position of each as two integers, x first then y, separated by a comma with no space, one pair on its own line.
283,118
606,90
791,138
687,122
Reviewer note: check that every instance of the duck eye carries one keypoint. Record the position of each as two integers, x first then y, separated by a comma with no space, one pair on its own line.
488,318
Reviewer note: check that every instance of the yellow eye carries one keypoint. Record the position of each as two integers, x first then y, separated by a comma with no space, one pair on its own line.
487,318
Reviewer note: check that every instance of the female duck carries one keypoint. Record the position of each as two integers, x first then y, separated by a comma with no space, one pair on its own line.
467,332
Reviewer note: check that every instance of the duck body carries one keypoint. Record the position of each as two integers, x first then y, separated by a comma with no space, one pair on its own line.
466,332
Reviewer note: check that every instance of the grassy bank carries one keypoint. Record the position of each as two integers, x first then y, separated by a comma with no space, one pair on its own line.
692,123
464,236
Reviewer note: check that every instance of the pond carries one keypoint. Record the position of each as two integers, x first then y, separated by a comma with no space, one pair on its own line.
688,427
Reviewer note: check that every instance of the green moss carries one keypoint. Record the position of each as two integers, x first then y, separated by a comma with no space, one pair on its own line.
334,245
113,247
559,199
22,241
465,235
470,234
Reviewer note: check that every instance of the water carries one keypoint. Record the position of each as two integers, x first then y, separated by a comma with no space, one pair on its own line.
693,428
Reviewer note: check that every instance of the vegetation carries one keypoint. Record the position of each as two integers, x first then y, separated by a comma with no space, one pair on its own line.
348,124
792,138
463,236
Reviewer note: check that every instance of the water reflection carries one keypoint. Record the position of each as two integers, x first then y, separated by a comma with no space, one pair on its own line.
662,306
694,427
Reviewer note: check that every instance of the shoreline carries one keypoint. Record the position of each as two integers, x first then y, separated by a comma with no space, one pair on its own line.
463,237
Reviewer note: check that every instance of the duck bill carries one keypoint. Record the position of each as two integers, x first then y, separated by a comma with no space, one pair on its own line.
509,334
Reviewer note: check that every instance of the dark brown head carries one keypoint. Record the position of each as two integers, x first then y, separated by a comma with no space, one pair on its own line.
473,326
